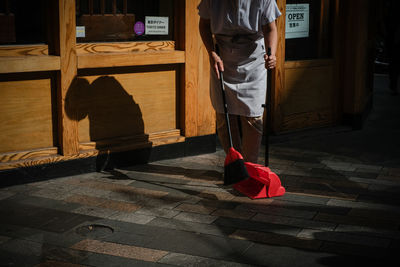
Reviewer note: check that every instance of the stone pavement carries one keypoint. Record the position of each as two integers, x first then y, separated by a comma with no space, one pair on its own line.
341,207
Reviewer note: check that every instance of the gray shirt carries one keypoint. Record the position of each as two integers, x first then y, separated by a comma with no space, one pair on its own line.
237,26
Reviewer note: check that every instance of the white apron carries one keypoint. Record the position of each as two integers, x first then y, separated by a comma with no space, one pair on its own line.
237,25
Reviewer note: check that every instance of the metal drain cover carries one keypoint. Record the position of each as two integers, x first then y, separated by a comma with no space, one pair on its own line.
94,230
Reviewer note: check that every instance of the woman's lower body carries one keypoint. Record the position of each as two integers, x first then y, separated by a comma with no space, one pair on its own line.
245,91
246,135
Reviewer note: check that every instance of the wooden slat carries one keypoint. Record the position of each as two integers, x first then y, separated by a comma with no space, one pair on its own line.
47,156
29,63
68,129
23,50
124,47
130,59
46,160
30,154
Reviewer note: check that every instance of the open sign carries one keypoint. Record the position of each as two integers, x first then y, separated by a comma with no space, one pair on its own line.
297,21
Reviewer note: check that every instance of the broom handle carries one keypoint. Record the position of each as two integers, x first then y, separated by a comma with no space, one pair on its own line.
268,118
228,125
221,82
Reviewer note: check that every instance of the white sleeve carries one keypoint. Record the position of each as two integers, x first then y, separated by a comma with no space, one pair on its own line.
271,12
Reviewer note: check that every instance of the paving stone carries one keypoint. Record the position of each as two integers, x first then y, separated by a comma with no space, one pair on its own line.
195,208
240,214
103,260
53,185
44,202
63,255
337,193
178,259
380,214
176,187
310,207
119,206
295,222
348,238
257,226
385,189
220,204
51,263
95,211
195,217
278,210
369,231
8,258
103,203
120,250
51,194
22,247
156,212
212,195
24,188
276,239
38,236
6,194
246,200
374,181
41,218
368,255
281,256
363,205
340,219
338,166
185,242
131,217
85,200
304,199
194,227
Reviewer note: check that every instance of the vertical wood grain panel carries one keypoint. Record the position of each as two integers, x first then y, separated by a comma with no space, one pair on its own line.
278,74
68,129
199,114
25,115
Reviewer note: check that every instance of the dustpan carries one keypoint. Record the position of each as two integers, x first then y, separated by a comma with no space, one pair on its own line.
262,182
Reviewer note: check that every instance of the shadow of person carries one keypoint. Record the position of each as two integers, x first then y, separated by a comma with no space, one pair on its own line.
114,118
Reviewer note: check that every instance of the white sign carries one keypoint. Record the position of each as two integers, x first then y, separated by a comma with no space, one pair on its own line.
156,25
297,21
80,31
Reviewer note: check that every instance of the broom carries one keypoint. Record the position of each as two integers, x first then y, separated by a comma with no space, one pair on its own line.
234,168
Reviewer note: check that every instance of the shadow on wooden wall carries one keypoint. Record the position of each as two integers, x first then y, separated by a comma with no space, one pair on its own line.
112,114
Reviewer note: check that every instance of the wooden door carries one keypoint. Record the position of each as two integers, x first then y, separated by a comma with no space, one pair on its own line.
306,87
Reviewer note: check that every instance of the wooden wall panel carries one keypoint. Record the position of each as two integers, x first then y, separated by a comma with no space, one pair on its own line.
307,98
129,104
199,116
25,115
